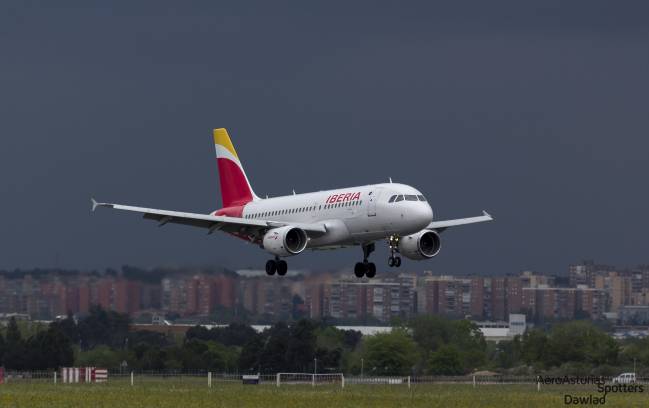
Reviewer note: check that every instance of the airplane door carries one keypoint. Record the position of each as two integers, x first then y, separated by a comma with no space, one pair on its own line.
372,198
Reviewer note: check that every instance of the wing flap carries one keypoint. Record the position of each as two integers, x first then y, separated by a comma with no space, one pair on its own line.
165,219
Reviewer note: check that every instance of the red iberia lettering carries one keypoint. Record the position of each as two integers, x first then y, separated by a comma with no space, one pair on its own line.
337,198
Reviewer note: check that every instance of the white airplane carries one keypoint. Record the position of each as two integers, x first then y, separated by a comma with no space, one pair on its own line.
287,225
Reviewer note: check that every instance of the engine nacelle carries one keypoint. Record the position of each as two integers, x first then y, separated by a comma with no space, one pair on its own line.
422,245
285,241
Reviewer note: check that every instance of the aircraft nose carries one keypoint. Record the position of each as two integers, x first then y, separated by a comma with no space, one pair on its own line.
424,214
428,213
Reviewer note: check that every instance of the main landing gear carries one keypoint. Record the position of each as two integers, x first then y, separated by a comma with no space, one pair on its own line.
276,265
393,243
366,268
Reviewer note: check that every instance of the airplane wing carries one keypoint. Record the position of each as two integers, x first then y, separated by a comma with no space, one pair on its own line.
440,226
250,229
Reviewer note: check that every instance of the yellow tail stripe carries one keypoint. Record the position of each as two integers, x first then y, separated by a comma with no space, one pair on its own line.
221,138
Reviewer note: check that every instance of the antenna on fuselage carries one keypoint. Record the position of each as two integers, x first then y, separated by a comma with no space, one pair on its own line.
293,191
390,178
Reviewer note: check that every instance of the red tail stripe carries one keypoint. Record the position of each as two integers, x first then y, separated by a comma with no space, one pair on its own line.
234,186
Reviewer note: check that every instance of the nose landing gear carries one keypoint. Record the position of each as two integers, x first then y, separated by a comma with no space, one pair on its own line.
366,268
394,261
393,243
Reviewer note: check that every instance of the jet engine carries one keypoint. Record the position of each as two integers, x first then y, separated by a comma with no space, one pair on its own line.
285,241
422,245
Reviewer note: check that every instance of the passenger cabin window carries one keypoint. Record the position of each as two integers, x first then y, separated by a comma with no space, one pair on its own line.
411,198
399,198
391,200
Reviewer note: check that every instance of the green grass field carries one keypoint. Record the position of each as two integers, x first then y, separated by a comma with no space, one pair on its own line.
194,393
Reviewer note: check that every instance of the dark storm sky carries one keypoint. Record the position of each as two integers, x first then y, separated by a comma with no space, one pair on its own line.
538,114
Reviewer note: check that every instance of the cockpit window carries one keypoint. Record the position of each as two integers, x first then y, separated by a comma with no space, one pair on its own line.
411,197
392,198
399,198
421,198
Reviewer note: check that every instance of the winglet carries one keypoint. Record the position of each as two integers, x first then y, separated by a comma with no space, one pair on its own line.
95,204
486,214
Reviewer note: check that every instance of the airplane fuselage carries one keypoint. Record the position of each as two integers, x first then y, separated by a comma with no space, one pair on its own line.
353,215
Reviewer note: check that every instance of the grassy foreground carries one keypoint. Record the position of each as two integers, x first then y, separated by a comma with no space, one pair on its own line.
160,394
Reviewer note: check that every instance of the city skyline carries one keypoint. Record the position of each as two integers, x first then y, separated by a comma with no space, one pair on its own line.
588,290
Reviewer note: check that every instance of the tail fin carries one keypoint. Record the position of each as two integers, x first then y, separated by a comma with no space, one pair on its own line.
235,187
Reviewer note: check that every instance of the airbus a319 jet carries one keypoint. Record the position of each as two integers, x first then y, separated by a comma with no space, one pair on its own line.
286,226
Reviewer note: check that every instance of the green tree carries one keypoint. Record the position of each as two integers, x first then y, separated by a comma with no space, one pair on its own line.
508,354
69,327
351,338
14,357
393,353
281,348
104,327
220,357
249,360
152,358
102,356
637,349
48,349
581,341
300,350
272,357
534,344
445,361
235,334
192,354
433,332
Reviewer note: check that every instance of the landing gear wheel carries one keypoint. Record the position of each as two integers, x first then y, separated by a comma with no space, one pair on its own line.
393,243
371,270
271,267
365,268
282,267
359,269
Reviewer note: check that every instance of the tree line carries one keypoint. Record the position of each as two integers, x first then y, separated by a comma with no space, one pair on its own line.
428,345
